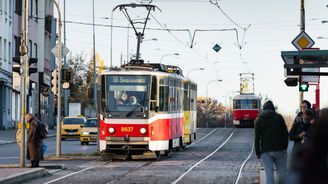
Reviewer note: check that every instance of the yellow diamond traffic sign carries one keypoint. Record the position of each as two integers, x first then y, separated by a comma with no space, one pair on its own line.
303,41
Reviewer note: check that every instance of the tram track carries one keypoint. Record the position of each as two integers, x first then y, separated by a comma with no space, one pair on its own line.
235,172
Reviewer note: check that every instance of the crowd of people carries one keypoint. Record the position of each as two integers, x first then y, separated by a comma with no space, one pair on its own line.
309,156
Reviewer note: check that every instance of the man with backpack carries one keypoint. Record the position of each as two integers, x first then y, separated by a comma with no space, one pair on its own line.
35,135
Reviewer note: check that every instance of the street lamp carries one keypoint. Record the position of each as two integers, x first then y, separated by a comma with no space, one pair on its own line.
206,101
321,37
194,69
171,54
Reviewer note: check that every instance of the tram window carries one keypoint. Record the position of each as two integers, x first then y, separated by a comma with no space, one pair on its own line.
186,100
163,96
153,93
236,104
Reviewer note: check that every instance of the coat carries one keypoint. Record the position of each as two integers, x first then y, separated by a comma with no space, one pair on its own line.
271,133
34,142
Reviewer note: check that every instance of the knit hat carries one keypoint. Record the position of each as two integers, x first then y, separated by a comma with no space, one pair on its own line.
268,105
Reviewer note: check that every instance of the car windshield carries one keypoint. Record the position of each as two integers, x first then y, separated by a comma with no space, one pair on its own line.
73,121
91,123
127,93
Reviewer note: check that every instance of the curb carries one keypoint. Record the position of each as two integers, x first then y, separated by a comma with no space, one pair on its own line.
7,142
12,142
24,176
64,158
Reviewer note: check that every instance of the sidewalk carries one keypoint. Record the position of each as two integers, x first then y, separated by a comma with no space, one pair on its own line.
20,174
9,136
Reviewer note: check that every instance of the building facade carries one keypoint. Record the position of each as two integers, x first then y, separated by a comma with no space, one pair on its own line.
6,40
42,36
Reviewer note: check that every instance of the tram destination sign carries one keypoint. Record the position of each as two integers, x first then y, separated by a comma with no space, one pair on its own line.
129,79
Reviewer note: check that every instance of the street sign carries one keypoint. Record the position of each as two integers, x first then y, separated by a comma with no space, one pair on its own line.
216,48
65,50
303,41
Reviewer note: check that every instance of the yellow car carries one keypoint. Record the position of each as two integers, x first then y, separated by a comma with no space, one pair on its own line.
89,131
71,127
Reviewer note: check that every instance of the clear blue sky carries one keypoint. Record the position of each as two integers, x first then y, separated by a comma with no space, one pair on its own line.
274,24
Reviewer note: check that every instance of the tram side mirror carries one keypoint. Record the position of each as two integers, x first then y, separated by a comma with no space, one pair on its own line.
81,126
156,109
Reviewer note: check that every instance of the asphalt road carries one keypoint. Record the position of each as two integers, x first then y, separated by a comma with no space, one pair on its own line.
215,157
9,153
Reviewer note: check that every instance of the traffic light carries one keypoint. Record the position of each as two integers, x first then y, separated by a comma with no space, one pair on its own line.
32,69
54,81
66,75
304,87
291,81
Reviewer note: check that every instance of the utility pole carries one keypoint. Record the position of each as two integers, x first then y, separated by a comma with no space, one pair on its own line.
24,80
59,65
94,58
302,28
65,64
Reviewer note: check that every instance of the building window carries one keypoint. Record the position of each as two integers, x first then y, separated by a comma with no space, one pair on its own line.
35,10
9,52
30,48
17,44
18,7
5,49
1,6
5,7
0,47
35,49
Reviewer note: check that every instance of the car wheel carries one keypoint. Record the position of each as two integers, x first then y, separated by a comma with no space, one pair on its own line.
63,139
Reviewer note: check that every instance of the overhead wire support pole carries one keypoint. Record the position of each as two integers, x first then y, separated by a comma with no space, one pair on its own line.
24,81
94,57
59,65
302,28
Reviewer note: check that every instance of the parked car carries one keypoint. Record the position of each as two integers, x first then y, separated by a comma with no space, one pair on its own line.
89,131
71,127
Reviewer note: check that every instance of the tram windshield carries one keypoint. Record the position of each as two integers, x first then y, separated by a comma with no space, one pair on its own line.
127,95
246,104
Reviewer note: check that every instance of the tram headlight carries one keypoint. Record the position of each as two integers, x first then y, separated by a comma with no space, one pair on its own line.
143,130
85,133
111,130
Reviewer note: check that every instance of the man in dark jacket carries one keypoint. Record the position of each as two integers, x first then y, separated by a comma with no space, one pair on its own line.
34,141
271,141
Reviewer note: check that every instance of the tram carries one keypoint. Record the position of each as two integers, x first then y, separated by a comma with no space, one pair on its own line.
146,108
246,107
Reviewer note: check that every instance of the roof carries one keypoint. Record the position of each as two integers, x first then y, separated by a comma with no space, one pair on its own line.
247,96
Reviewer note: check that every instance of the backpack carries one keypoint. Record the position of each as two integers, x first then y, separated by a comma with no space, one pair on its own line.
43,129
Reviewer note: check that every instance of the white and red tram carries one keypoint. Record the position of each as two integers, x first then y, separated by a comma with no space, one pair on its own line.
142,109
246,107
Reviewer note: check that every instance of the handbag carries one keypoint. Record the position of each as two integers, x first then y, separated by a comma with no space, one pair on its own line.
44,148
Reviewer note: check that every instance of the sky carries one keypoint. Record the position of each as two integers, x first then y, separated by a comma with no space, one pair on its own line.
273,25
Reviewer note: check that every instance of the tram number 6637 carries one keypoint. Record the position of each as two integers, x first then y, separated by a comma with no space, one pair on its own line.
126,129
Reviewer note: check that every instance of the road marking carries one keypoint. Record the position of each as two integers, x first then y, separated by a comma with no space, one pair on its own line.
9,157
244,163
204,137
70,174
199,162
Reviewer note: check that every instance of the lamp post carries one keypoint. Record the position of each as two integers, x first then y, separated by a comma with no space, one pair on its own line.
225,106
170,54
194,69
206,101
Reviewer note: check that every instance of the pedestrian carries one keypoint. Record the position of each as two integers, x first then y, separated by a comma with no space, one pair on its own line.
300,133
271,141
316,165
34,141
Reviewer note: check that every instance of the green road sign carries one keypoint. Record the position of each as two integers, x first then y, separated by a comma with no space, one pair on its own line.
216,48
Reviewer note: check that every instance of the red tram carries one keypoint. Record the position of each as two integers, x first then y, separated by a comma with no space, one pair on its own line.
246,107
150,108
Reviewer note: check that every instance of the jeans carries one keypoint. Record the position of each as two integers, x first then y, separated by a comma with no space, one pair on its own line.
279,160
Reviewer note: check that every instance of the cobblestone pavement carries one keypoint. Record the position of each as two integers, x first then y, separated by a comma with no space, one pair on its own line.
220,168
